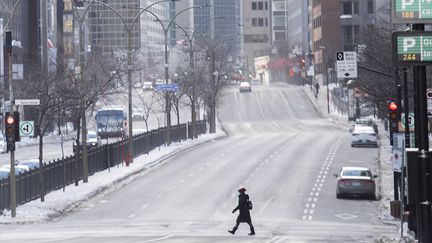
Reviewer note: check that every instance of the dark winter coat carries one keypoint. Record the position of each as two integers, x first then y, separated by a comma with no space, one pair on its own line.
244,216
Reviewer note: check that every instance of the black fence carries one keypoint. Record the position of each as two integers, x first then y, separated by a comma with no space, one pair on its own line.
62,172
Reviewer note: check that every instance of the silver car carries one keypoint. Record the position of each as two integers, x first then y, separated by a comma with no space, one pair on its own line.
356,181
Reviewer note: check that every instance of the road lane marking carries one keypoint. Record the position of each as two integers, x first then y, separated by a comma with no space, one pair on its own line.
320,180
131,216
145,206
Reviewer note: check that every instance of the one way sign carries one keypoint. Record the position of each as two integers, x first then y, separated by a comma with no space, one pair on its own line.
346,64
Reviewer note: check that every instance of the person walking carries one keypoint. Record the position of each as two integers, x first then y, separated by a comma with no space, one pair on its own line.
244,205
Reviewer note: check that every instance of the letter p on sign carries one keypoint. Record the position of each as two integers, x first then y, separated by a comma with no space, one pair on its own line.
408,43
406,3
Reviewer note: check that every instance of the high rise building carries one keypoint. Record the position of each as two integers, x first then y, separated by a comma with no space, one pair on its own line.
256,28
225,31
184,19
108,31
352,17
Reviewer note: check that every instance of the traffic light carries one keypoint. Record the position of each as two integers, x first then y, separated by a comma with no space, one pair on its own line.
10,131
303,63
393,108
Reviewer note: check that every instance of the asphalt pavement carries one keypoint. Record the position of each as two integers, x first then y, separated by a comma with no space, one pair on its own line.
278,146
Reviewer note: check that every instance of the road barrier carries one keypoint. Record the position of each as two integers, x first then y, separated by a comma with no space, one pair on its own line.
62,172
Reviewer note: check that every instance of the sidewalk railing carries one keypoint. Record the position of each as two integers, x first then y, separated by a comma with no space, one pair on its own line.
62,172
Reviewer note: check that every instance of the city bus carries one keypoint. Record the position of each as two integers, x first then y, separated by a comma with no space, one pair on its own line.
111,122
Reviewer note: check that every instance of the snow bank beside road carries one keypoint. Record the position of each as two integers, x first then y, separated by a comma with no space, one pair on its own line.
59,202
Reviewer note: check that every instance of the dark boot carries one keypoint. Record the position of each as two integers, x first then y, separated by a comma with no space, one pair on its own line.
233,230
252,230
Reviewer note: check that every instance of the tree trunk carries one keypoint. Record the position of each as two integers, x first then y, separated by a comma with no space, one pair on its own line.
193,123
84,143
41,168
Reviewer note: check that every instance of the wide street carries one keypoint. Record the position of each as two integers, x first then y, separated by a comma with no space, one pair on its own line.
278,147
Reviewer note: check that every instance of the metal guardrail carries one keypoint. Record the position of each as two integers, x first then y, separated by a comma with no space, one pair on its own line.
340,104
62,172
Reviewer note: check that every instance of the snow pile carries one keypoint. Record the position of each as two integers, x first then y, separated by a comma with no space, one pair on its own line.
59,202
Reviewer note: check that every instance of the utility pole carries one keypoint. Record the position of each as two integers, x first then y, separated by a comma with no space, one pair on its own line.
424,206
12,110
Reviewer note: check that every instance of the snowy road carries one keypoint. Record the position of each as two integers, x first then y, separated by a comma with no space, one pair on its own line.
278,147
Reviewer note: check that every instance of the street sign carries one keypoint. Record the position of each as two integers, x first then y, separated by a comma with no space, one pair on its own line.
411,120
26,128
172,87
411,11
412,48
346,63
27,102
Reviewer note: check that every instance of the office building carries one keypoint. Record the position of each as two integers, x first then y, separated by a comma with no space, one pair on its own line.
256,32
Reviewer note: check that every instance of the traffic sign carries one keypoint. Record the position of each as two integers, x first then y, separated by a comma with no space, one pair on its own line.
27,102
26,128
346,63
411,120
412,48
173,87
411,11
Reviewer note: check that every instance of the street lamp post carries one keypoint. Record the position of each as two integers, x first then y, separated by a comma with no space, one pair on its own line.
167,94
327,77
129,28
192,67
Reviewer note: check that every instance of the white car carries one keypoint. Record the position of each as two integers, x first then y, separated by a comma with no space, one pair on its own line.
31,163
137,115
245,87
355,181
147,86
364,135
3,148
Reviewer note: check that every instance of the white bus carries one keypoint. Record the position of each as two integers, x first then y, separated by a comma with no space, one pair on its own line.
111,122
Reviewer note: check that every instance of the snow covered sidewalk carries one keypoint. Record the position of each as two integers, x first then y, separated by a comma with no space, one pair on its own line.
59,202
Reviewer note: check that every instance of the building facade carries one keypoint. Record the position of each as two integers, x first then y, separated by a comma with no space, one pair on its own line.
222,31
256,32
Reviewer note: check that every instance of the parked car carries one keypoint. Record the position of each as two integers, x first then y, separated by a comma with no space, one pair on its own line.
93,141
3,148
4,173
137,114
364,135
366,122
18,168
31,163
357,181
245,87
147,86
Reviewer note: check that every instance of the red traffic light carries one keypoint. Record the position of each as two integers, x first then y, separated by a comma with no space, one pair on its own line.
10,120
393,106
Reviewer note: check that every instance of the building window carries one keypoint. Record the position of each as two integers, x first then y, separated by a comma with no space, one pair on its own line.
266,21
370,7
254,5
254,22
260,22
265,5
260,5
350,7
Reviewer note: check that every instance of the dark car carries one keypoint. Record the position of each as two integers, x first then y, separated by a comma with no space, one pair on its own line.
355,181
93,141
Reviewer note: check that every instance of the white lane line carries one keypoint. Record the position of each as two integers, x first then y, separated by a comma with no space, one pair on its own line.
145,206
181,181
131,216
159,239
191,174
263,208
103,201
238,106
158,196
259,105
